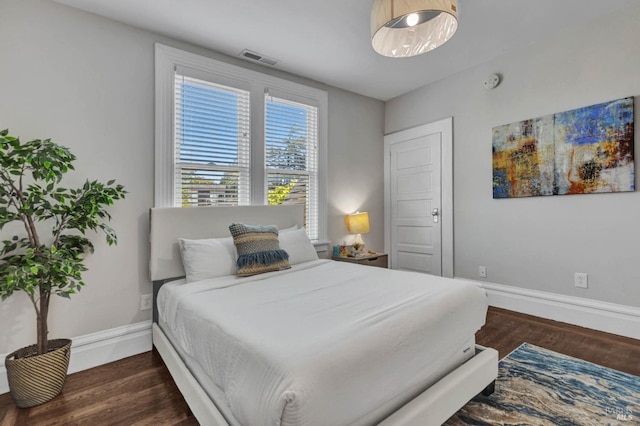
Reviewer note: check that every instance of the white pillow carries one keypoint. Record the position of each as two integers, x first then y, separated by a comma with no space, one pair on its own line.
207,258
293,228
298,245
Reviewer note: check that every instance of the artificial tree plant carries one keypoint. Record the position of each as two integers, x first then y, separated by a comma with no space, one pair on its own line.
30,175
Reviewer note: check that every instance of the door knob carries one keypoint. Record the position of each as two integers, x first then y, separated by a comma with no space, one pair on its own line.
435,213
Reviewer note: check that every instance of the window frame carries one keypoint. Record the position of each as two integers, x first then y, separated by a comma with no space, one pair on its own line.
169,59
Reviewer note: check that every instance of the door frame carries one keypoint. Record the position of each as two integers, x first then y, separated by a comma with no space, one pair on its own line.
445,127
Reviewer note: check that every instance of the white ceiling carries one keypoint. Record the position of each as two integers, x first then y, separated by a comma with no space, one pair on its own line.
329,40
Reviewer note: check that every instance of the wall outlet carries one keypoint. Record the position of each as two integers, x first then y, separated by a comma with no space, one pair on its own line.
581,280
145,302
482,271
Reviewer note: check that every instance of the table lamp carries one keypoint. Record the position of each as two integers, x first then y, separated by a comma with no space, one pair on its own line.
357,223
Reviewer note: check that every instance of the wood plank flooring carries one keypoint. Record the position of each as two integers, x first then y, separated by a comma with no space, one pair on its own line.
139,390
506,330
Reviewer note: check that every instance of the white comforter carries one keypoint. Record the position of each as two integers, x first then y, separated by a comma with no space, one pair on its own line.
323,343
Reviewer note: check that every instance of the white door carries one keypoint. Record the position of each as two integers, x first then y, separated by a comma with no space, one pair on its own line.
415,213
415,194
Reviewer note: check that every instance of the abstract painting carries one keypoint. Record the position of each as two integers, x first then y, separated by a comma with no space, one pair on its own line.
582,151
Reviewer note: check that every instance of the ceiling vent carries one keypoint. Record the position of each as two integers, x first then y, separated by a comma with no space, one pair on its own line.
257,57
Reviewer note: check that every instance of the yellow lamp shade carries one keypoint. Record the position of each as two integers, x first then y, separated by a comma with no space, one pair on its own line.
357,223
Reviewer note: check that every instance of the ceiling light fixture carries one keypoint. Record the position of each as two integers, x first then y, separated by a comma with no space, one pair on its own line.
404,28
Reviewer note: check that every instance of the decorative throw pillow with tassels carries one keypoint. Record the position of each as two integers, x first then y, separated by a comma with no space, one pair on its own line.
258,249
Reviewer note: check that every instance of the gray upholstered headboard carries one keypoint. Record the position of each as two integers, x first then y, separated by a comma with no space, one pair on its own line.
167,224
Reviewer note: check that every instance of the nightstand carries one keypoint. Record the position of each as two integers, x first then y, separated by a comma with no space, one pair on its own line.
379,259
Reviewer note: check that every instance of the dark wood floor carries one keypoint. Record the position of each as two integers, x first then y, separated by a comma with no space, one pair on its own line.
139,390
506,330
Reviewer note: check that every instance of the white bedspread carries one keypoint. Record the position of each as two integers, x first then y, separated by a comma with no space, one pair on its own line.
325,342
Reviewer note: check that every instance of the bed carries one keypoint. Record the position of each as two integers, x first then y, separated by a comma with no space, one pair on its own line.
323,342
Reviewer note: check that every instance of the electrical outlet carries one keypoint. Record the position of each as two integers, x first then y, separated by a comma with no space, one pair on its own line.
482,271
581,280
145,302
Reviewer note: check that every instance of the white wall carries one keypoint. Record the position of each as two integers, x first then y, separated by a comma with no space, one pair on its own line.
538,243
355,166
88,83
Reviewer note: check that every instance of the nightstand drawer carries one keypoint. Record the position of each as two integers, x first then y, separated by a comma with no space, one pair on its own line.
380,260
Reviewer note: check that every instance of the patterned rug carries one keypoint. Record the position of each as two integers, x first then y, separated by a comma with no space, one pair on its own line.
539,387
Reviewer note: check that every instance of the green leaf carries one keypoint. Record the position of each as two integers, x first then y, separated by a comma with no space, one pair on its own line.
53,268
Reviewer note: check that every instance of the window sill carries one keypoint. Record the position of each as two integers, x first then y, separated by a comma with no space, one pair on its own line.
321,245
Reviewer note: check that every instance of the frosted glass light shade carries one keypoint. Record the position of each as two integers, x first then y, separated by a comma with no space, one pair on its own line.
357,223
404,28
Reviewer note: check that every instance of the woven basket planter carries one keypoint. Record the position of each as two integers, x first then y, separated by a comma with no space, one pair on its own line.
35,379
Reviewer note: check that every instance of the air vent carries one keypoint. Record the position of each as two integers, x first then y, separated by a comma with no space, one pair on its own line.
257,57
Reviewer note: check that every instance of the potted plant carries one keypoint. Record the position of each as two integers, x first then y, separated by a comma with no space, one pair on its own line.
30,174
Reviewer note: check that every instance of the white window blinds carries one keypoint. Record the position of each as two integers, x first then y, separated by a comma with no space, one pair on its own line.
291,157
212,143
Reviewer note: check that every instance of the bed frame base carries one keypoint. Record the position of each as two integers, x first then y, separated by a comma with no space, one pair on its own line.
432,407
203,409
442,400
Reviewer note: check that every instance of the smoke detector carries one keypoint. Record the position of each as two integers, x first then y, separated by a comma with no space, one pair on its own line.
491,82
258,57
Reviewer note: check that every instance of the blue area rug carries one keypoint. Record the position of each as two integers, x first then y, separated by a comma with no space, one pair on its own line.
539,387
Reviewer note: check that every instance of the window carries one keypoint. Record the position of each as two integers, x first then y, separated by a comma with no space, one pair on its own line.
212,144
226,135
291,156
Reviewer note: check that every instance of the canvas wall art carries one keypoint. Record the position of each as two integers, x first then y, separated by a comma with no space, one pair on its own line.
582,151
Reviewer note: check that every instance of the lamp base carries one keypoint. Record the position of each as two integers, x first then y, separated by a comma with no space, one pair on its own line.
358,244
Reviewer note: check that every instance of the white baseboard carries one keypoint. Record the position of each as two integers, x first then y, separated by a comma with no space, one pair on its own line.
609,317
100,348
